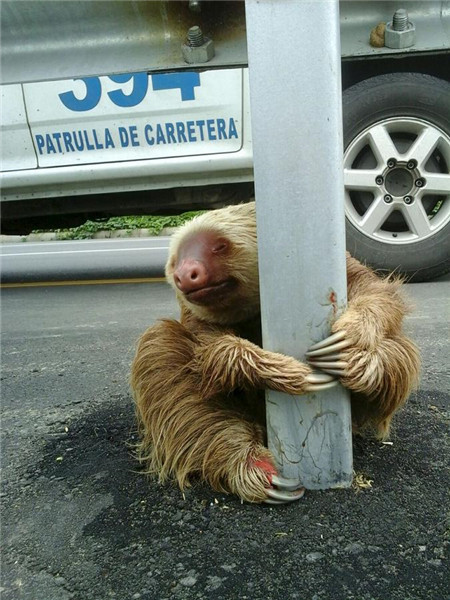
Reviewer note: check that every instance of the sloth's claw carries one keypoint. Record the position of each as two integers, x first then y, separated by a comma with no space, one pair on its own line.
329,364
321,387
336,356
336,337
327,356
286,484
319,381
318,378
328,349
288,490
331,344
334,372
337,368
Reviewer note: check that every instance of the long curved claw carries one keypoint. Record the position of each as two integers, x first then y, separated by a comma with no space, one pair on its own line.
319,381
330,364
318,378
336,356
333,372
318,388
328,349
332,367
336,337
330,346
282,496
286,484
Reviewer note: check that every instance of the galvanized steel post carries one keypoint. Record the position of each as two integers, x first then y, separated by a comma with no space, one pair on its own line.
295,92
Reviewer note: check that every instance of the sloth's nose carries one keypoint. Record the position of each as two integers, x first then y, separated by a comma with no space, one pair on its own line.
190,275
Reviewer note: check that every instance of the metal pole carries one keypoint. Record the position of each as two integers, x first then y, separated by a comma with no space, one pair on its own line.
295,94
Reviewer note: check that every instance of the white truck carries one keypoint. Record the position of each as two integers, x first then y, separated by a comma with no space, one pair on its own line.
124,106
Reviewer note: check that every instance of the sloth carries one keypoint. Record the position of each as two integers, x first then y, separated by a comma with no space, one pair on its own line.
199,382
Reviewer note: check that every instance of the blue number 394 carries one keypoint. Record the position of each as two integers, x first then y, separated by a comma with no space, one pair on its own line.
185,81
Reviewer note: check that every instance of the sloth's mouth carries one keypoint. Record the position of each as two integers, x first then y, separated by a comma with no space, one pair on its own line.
212,293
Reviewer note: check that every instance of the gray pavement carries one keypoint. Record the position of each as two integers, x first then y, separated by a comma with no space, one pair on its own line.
81,522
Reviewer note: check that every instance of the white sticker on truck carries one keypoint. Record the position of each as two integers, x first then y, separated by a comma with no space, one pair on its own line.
16,146
135,116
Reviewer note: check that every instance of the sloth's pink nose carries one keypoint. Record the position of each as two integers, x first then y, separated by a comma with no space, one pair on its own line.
190,275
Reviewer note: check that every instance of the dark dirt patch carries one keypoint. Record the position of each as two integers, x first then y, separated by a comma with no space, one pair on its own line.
128,537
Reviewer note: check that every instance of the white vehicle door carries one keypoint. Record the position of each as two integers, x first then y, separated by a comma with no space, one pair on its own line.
135,116
17,151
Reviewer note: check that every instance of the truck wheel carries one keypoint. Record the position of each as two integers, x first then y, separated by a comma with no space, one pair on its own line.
397,173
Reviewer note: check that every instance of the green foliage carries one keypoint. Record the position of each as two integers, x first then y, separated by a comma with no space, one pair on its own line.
155,224
436,208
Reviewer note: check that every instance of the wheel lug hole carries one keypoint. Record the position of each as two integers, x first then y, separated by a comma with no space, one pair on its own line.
391,163
379,180
411,164
408,200
388,198
420,182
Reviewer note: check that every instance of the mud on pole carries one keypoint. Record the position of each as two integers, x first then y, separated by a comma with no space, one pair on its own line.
295,96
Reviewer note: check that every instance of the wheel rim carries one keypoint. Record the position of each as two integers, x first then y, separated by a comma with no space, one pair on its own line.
397,180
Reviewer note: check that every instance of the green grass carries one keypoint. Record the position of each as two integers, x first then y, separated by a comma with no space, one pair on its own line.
154,224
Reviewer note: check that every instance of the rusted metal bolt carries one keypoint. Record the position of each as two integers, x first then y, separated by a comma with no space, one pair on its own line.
400,32
407,200
197,48
195,36
379,180
388,198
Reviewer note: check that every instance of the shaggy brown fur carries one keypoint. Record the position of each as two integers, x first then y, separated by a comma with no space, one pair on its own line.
198,383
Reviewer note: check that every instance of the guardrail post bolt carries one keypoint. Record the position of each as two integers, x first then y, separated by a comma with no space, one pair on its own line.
400,32
195,6
400,20
195,36
197,48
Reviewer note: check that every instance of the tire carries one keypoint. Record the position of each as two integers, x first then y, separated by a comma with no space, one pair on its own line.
397,173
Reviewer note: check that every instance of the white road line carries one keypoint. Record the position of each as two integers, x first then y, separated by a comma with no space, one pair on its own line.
28,254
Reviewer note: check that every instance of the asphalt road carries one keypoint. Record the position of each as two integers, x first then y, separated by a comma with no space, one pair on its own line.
81,522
